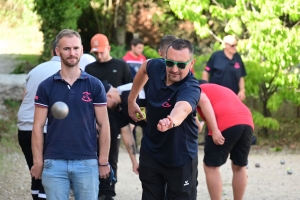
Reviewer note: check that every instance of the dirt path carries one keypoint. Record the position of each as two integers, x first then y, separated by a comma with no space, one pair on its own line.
269,182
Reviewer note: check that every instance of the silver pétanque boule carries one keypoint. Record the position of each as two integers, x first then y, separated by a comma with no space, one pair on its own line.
282,161
59,110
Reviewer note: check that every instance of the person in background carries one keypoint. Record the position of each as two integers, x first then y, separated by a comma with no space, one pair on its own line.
235,122
116,72
26,114
226,68
135,58
85,60
70,150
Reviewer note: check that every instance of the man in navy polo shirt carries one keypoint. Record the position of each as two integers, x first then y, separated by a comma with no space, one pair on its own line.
70,149
226,68
169,147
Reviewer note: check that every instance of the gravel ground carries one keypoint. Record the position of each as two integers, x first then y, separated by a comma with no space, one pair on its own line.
268,182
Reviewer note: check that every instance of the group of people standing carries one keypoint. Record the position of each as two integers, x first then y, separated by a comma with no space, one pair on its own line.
81,150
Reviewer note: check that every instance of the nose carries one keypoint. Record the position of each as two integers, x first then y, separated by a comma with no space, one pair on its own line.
175,68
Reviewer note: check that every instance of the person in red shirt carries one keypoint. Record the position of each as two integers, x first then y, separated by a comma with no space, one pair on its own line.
135,58
235,122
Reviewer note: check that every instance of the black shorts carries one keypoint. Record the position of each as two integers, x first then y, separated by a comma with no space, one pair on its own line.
180,181
237,143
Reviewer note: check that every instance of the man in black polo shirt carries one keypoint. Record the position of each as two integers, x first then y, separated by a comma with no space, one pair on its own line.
169,148
116,72
226,68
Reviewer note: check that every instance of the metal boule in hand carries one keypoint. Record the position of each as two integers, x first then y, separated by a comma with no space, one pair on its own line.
59,110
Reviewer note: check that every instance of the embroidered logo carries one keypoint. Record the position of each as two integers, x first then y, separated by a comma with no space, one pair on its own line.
236,65
86,97
207,68
186,183
166,104
36,97
96,43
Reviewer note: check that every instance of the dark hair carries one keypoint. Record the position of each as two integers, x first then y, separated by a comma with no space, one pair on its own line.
136,41
202,81
166,41
180,44
54,44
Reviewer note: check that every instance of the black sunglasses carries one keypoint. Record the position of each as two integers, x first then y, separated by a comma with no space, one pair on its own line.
232,45
180,65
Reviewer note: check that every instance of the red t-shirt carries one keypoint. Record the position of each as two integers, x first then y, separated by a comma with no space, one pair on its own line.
229,109
129,58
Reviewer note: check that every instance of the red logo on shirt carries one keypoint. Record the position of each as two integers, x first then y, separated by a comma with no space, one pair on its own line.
86,97
36,97
236,65
166,104
207,68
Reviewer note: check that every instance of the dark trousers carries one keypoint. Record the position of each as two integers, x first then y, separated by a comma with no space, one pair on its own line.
106,187
24,138
181,181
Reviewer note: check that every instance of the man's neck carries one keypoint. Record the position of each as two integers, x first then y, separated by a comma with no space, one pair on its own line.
228,55
70,74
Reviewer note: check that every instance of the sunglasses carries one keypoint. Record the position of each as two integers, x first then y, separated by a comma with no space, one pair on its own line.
180,65
232,45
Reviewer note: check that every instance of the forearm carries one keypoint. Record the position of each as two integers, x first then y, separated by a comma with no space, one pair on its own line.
242,84
180,111
129,142
37,144
205,75
104,142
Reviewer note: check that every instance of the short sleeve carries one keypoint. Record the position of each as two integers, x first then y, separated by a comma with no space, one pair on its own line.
41,98
190,93
98,92
210,64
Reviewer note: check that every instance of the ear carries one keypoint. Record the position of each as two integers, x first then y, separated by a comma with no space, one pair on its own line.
160,53
192,63
57,51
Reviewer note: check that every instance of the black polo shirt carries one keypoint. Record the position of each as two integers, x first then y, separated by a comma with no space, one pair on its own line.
224,71
178,145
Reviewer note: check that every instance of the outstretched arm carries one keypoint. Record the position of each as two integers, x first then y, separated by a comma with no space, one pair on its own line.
180,111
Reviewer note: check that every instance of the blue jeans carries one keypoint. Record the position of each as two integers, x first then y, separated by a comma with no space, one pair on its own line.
59,175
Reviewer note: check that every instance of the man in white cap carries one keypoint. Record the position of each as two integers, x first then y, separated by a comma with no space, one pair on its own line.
226,68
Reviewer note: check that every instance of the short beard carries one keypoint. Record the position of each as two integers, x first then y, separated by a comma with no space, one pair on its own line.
68,64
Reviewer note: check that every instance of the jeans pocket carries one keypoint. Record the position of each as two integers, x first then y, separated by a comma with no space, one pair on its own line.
47,163
90,162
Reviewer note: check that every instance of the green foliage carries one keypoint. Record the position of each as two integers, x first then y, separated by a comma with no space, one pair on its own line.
265,122
150,52
8,125
12,11
269,42
118,51
28,63
56,15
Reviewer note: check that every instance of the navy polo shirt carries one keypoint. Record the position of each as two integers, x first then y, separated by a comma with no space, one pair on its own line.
224,71
121,112
178,145
75,136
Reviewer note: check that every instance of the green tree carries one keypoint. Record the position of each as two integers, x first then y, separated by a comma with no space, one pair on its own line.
56,15
269,42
